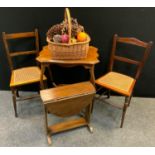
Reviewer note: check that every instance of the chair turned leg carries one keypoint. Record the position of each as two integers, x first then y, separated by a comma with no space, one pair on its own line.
124,111
17,93
108,94
129,100
14,101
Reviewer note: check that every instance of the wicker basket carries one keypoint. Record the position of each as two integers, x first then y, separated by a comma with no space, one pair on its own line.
62,51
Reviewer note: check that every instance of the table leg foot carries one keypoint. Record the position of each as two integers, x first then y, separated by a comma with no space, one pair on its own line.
49,140
90,128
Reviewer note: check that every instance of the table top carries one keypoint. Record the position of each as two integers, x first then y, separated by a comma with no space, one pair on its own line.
45,56
67,92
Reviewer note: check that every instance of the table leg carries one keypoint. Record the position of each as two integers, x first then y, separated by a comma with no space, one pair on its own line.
92,76
51,76
41,76
91,71
88,115
48,133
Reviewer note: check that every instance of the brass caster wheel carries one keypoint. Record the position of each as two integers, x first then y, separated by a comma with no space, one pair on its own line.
90,129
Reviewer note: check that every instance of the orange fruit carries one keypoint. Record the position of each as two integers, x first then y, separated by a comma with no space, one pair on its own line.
81,37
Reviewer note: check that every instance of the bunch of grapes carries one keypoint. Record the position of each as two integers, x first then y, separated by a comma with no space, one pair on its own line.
54,30
62,28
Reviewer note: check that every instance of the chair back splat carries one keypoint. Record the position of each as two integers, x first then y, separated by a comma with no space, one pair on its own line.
131,41
6,37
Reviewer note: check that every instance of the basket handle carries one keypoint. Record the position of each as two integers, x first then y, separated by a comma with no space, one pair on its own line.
68,18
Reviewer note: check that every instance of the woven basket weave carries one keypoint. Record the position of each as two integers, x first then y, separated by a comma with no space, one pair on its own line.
62,51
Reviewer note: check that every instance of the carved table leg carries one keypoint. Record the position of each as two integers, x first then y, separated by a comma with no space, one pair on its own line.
50,74
92,78
41,76
49,139
90,128
48,133
88,115
91,71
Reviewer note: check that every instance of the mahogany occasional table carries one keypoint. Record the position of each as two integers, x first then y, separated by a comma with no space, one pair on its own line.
45,59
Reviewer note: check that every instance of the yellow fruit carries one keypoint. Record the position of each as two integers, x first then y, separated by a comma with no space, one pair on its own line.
81,37
73,40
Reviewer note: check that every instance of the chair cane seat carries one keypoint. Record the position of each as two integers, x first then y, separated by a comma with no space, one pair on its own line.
117,82
26,75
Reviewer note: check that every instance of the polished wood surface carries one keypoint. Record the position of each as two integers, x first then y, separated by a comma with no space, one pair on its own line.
121,83
67,125
62,92
45,56
119,58
65,101
71,106
13,54
20,35
132,41
60,100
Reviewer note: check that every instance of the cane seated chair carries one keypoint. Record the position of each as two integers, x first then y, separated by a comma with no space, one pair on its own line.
23,75
121,83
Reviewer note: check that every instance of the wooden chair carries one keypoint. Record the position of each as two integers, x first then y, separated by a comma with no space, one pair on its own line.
25,75
121,83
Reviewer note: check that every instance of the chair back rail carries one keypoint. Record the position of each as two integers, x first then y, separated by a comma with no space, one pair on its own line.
132,41
20,35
